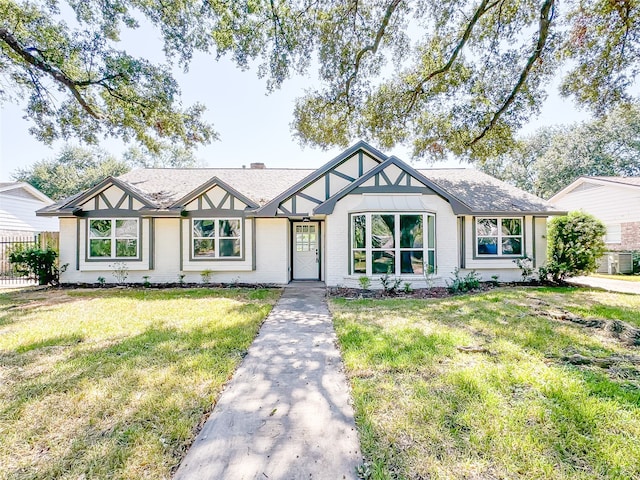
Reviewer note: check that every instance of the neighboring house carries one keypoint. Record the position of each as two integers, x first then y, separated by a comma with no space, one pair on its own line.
614,200
363,213
18,204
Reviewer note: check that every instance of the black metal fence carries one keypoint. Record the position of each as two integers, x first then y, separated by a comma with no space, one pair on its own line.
9,275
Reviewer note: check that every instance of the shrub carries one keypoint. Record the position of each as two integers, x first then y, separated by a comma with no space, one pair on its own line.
205,276
575,243
365,282
120,271
37,262
459,284
390,284
525,264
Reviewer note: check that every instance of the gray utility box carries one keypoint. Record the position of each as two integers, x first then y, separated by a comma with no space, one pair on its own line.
616,262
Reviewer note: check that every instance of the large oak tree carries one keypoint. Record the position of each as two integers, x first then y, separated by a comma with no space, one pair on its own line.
456,76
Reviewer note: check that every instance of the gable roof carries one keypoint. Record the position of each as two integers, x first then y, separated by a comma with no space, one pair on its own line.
484,194
8,187
623,182
272,206
328,206
168,185
167,190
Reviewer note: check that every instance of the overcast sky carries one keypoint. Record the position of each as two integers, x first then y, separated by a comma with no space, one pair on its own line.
253,126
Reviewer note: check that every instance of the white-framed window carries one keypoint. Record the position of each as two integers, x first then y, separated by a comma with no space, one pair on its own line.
394,243
614,233
110,238
216,237
499,236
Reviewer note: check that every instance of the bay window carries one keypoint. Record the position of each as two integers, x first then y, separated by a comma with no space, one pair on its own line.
499,236
394,243
217,238
114,238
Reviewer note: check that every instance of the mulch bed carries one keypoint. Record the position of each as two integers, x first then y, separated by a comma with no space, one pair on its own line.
434,292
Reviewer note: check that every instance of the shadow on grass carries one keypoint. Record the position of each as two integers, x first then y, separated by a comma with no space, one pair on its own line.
124,367
569,418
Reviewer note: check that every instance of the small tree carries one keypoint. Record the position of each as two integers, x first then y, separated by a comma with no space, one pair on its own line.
575,243
37,262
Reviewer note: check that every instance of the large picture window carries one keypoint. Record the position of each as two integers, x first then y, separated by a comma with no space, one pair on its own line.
217,238
498,236
395,243
113,238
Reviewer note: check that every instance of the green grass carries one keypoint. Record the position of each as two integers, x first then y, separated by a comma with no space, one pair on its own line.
626,278
426,410
112,384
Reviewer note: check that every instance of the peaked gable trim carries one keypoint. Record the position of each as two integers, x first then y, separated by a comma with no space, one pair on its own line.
97,190
208,185
328,206
271,208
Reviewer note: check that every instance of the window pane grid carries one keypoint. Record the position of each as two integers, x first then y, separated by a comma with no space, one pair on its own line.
499,236
113,238
217,238
392,243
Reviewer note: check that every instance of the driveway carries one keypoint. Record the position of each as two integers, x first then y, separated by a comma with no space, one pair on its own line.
611,285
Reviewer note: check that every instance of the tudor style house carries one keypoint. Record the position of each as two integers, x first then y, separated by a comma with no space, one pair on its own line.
361,214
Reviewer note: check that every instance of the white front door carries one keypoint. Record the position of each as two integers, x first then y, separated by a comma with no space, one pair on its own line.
306,254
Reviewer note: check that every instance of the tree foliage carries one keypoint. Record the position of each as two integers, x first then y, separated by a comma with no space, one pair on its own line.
42,264
171,156
574,244
552,158
446,76
73,170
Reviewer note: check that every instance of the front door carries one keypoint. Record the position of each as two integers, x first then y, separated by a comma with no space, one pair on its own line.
306,254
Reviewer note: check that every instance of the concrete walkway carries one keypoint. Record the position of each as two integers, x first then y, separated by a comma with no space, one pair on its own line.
609,284
286,414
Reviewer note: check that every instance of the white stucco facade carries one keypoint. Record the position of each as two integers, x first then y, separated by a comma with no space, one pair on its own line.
177,235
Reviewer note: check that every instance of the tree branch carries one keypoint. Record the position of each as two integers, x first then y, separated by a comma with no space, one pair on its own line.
480,11
57,75
372,47
546,17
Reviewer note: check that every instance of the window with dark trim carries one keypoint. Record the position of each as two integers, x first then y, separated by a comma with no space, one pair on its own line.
499,236
216,238
110,238
394,243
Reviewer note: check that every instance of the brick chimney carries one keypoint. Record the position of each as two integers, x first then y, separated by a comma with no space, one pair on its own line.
258,166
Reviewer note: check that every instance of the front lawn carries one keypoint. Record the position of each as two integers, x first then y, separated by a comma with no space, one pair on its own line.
548,387
112,384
